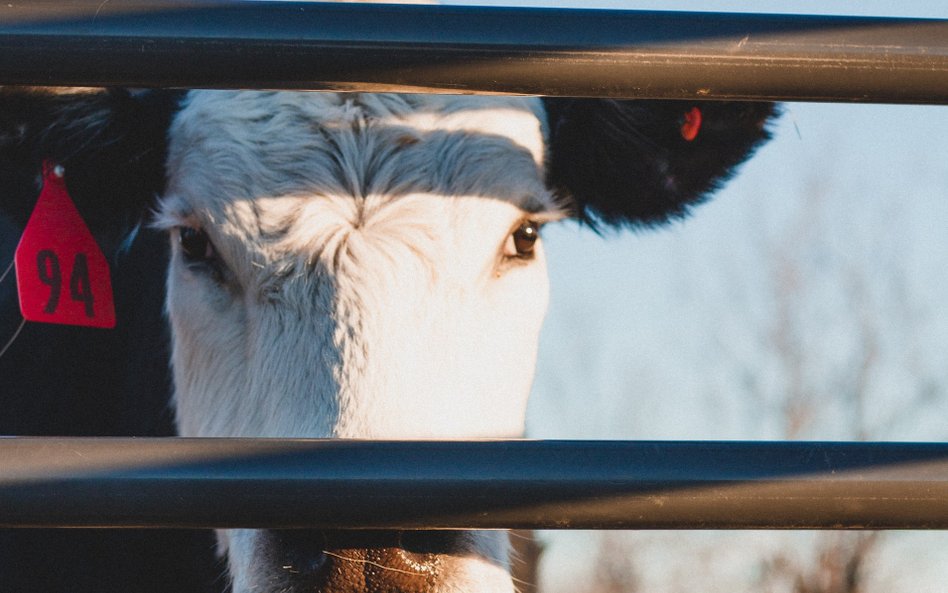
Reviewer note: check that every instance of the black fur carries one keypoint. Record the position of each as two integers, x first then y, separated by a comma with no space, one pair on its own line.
71,381
111,143
625,163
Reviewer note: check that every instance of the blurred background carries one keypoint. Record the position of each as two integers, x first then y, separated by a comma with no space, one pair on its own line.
808,300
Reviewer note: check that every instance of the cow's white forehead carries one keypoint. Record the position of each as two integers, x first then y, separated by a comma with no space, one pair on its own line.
287,172
228,146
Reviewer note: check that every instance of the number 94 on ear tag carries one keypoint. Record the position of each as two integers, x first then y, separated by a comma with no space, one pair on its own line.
61,274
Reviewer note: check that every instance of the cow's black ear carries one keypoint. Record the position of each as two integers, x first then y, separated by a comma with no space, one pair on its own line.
112,144
643,162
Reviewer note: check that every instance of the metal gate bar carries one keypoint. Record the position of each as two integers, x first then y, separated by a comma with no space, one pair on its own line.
360,47
193,483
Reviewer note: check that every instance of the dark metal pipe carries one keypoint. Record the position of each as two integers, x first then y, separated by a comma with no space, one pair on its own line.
191,483
361,47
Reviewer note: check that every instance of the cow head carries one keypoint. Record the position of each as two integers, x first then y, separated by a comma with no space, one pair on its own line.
369,266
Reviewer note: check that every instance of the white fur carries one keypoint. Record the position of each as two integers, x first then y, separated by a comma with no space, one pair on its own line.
365,290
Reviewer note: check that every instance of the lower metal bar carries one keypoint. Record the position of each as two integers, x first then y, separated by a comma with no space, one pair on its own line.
339,484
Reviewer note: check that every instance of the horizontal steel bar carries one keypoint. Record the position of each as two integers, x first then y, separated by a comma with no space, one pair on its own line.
362,47
338,484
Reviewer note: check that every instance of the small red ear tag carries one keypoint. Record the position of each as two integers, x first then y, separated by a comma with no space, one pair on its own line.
61,274
691,125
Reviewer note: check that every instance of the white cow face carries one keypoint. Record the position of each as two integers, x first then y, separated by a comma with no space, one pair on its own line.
355,265
359,266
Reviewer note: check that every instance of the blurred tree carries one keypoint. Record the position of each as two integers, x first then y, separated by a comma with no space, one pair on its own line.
615,566
841,321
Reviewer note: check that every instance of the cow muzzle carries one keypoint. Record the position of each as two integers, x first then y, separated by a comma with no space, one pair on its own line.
377,562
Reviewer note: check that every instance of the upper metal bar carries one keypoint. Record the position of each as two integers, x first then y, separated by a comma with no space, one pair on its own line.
374,48
338,484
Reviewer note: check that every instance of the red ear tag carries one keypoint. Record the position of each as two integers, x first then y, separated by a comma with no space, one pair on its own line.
61,274
691,125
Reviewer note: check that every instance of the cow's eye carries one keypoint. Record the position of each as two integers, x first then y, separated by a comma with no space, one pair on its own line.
195,244
523,240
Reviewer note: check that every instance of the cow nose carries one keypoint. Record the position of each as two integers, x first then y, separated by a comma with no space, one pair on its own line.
299,554
363,561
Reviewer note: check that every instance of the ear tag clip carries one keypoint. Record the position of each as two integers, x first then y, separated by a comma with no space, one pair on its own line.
691,124
61,274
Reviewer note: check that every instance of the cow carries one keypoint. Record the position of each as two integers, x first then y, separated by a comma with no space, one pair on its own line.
327,265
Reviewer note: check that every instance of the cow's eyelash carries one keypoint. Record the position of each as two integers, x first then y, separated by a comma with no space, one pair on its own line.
546,212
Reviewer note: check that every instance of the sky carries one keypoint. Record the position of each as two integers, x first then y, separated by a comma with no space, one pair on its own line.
671,334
